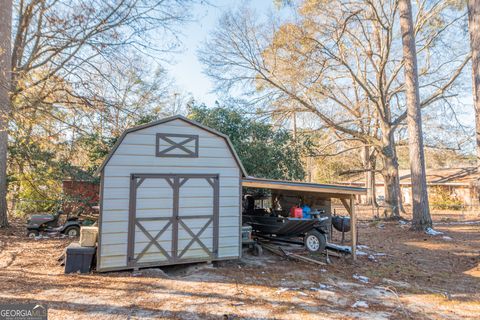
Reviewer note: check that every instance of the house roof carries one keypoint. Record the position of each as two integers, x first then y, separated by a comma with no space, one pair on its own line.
328,189
445,176
165,120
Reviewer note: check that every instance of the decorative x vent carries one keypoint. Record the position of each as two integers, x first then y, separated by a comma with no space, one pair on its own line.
176,145
153,240
195,237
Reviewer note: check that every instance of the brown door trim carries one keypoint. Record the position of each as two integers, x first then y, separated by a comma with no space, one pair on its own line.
131,221
176,181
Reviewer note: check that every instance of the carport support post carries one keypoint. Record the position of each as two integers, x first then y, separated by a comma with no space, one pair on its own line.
353,219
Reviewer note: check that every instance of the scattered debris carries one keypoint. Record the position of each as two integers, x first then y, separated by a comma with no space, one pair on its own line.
324,286
283,289
433,232
371,257
334,253
302,258
399,284
360,304
284,253
272,249
361,278
338,247
370,254
447,238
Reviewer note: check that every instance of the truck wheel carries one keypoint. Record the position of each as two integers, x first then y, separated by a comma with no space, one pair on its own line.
32,233
72,232
315,241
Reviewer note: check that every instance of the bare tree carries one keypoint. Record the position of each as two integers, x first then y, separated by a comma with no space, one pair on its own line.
341,63
5,76
66,39
61,49
474,31
421,211
369,165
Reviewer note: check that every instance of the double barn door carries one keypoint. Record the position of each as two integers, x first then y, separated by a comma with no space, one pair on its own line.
173,218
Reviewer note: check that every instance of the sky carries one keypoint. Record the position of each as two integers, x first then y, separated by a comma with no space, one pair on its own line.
186,69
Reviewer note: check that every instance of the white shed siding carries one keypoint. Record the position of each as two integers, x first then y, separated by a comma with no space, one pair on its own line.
136,154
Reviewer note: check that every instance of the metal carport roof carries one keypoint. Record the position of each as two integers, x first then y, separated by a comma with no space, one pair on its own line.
330,190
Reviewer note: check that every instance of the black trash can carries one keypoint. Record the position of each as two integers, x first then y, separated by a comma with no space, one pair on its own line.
78,259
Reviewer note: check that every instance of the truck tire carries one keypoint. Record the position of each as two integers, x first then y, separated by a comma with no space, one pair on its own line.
72,232
314,241
33,233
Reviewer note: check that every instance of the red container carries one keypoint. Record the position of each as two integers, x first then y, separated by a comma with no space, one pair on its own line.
296,212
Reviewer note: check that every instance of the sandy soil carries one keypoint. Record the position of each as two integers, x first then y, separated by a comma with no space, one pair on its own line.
410,276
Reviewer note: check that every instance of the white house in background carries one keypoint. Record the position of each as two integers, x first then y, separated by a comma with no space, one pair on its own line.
460,184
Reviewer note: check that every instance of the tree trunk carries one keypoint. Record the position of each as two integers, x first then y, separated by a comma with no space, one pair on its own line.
369,186
372,184
369,167
366,168
391,196
399,191
5,76
474,30
390,173
421,211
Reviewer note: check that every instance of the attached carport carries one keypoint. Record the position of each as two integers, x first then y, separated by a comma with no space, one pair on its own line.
345,194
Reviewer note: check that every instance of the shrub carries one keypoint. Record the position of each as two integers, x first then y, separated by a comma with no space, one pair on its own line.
443,199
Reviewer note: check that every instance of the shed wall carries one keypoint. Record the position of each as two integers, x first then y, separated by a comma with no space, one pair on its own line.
136,154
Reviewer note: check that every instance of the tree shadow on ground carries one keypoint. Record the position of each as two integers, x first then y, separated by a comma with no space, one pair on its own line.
131,311
429,269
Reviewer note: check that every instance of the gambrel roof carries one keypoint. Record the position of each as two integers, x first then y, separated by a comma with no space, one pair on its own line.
165,120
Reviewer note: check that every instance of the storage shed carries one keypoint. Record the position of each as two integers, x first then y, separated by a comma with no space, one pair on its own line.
170,194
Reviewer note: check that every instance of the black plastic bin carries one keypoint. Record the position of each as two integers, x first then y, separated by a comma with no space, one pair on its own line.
78,259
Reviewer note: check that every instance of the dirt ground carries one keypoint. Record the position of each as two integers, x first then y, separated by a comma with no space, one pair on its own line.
400,275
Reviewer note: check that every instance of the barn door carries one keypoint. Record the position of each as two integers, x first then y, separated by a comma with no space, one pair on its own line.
172,219
197,218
